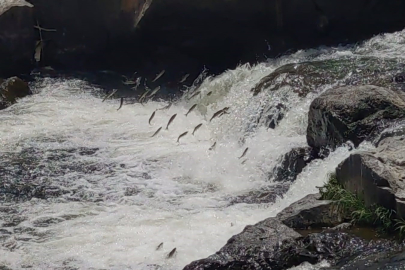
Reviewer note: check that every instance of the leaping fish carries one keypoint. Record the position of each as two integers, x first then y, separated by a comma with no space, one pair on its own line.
181,136
127,81
122,102
243,162
143,96
171,120
220,113
209,93
151,117
110,95
213,146
184,78
171,254
196,128
157,131
159,75
166,107
194,95
244,153
191,109
154,92
159,246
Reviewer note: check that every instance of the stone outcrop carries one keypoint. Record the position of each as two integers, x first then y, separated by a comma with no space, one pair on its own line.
16,37
377,177
12,89
354,113
273,244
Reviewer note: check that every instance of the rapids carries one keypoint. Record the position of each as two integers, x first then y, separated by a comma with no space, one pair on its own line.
106,194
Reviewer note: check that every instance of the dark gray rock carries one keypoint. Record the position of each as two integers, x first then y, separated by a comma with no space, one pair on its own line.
265,195
12,89
16,37
292,164
354,113
378,177
311,212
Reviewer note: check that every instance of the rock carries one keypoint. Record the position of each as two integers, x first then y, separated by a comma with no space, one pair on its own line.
310,212
16,37
354,113
377,177
292,164
251,249
265,195
12,89
396,129
88,33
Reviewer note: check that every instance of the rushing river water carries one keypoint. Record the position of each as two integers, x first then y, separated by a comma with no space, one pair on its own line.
91,189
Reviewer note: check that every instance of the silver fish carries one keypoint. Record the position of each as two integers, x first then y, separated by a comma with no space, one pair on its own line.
159,75
191,109
143,96
220,113
159,246
127,81
157,131
182,135
184,78
166,107
154,91
137,83
243,162
244,153
213,146
151,117
209,93
195,94
110,95
196,128
171,254
122,102
171,120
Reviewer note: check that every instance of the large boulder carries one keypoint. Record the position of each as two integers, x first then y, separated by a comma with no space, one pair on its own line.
352,113
87,32
16,36
378,177
11,90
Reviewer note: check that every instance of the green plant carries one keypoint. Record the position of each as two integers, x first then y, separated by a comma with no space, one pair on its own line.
400,227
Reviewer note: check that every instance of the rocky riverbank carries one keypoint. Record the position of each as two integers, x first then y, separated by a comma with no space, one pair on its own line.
372,180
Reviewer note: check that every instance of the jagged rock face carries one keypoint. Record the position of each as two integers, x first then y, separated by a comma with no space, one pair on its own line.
377,177
87,32
16,36
354,113
12,89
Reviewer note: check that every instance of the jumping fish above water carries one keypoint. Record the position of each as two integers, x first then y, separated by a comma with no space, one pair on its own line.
110,95
121,103
166,107
151,117
209,93
143,96
159,246
154,92
195,94
137,83
171,120
184,78
171,254
243,162
159,75
213,146
157,131
196,128
220,113
244,153
128,81
191,109
182,135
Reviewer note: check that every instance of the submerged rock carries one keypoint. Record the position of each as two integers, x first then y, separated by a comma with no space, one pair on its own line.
12,89
16,36
377,177
354,113
292,164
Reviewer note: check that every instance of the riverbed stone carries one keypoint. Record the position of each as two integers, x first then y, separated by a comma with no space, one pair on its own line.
11,90
377,176
352,113
16,36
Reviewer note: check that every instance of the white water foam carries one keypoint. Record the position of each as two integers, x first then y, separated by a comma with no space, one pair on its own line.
181,191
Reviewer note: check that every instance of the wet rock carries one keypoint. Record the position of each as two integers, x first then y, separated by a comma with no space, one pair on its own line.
251,249
87,32
311,212
292,164
47,221
354,113
396,129
265,195
16,36
12,89
378,177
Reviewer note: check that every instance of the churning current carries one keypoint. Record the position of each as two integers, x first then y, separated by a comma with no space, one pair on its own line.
85,186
